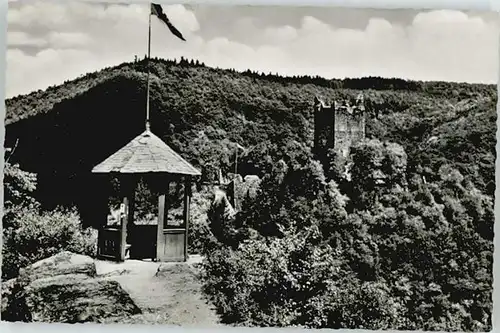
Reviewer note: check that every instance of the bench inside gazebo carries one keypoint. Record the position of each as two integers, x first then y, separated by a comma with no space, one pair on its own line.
147,156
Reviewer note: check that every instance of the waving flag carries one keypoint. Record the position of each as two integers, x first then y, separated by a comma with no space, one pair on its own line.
158,12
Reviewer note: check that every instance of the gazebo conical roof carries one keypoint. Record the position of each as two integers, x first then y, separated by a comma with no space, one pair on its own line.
146,153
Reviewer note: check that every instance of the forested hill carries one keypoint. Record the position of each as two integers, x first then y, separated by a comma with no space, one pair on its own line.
202,111
405,243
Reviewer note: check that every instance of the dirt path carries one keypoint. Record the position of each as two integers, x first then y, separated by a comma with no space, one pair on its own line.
167,293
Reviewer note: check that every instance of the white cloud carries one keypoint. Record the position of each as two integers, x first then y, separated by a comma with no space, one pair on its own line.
280,35
182,18
82,37
62,40
45,68
38,15
20,38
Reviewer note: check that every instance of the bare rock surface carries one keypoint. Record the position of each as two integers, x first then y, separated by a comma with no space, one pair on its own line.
60,264
70,288
64,288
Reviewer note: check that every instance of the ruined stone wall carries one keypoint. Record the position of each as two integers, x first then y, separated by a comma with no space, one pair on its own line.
349,125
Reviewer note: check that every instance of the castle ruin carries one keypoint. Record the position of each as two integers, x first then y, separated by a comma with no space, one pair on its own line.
338,126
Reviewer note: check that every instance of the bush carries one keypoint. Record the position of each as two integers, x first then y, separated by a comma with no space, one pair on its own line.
253,285
293,281
30,235
199,235
36,236
18,187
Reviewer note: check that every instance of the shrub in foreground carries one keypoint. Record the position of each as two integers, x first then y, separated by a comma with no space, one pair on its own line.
29,234
35,236
293,281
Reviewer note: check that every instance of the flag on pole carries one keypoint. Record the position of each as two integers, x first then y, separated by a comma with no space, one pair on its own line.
158,12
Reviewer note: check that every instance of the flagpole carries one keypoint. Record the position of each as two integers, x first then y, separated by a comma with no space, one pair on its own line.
236,163
148,84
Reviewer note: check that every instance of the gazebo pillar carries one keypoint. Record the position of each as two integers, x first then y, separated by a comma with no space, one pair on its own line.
123,229
187,204
128,217
131,211
162,220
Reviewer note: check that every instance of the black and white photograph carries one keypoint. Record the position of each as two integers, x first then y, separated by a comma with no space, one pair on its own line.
217,166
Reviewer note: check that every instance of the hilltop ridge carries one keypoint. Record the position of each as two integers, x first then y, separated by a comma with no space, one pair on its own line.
71,88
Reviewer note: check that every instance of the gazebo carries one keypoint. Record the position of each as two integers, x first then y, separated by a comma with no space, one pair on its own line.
147,155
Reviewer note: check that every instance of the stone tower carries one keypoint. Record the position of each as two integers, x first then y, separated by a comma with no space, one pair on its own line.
324,127
338,125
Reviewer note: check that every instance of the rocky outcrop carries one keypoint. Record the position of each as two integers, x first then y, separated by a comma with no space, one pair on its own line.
64,288
63,263
221,208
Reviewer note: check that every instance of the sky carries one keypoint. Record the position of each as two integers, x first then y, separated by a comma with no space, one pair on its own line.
51,42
